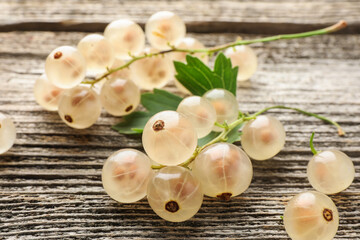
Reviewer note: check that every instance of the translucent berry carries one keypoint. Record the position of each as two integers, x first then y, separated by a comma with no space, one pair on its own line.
65,67
245,58
169,138
47,94
7,133
174,194
98,53
225,105
164,28
311,215
125,175
119,96
224,170
200,112
330,171
152,72
263,137
79,107
126,37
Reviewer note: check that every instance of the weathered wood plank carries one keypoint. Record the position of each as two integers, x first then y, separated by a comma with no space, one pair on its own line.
259,16
50,183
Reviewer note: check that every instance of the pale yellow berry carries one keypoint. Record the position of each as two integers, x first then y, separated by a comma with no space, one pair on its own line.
263,137
47,94
125,175
7,133
245,58
330,171
174,194
311,216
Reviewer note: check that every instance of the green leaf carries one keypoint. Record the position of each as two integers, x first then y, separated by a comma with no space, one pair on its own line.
207,138
133,123
159,100
199,78
223,68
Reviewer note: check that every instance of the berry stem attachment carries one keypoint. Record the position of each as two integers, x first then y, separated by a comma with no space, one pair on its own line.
312,145
341,132
210,51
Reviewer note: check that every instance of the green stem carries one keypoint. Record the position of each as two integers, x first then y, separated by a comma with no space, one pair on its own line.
312,145
336,27
340,130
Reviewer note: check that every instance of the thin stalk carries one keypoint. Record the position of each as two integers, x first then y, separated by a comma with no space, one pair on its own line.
340,130
336,27
312,145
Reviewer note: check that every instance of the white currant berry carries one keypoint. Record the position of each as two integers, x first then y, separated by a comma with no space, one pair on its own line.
164,28
311,215
7,133
152,72
263,137
97,51
330,171
119,97
79,107
224,170
65,67
174,194
125,175
225,105
126,37
200,112
169,138
245,58
47,94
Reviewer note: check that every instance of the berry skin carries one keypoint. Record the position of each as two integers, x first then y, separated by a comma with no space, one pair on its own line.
164,28
125,175
79,107
125,37
97,51
152,72
7,133
330,171
174,194
224,170
263,137
200,112
245,58
169,138
119,97
46,94
311,215
225,105
65,67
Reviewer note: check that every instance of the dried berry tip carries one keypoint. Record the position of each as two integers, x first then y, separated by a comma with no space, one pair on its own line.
57,55
159,125
328,215
225,196
172,206
129,108
68,118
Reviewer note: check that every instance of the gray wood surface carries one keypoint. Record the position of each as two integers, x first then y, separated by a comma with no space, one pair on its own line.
50,181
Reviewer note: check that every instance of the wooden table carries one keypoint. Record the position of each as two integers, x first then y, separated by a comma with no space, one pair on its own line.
50,181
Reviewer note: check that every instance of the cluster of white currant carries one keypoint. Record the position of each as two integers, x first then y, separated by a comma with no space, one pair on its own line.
313,215
170,138
66,67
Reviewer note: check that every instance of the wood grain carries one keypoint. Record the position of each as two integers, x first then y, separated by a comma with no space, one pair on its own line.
203,16
50,183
